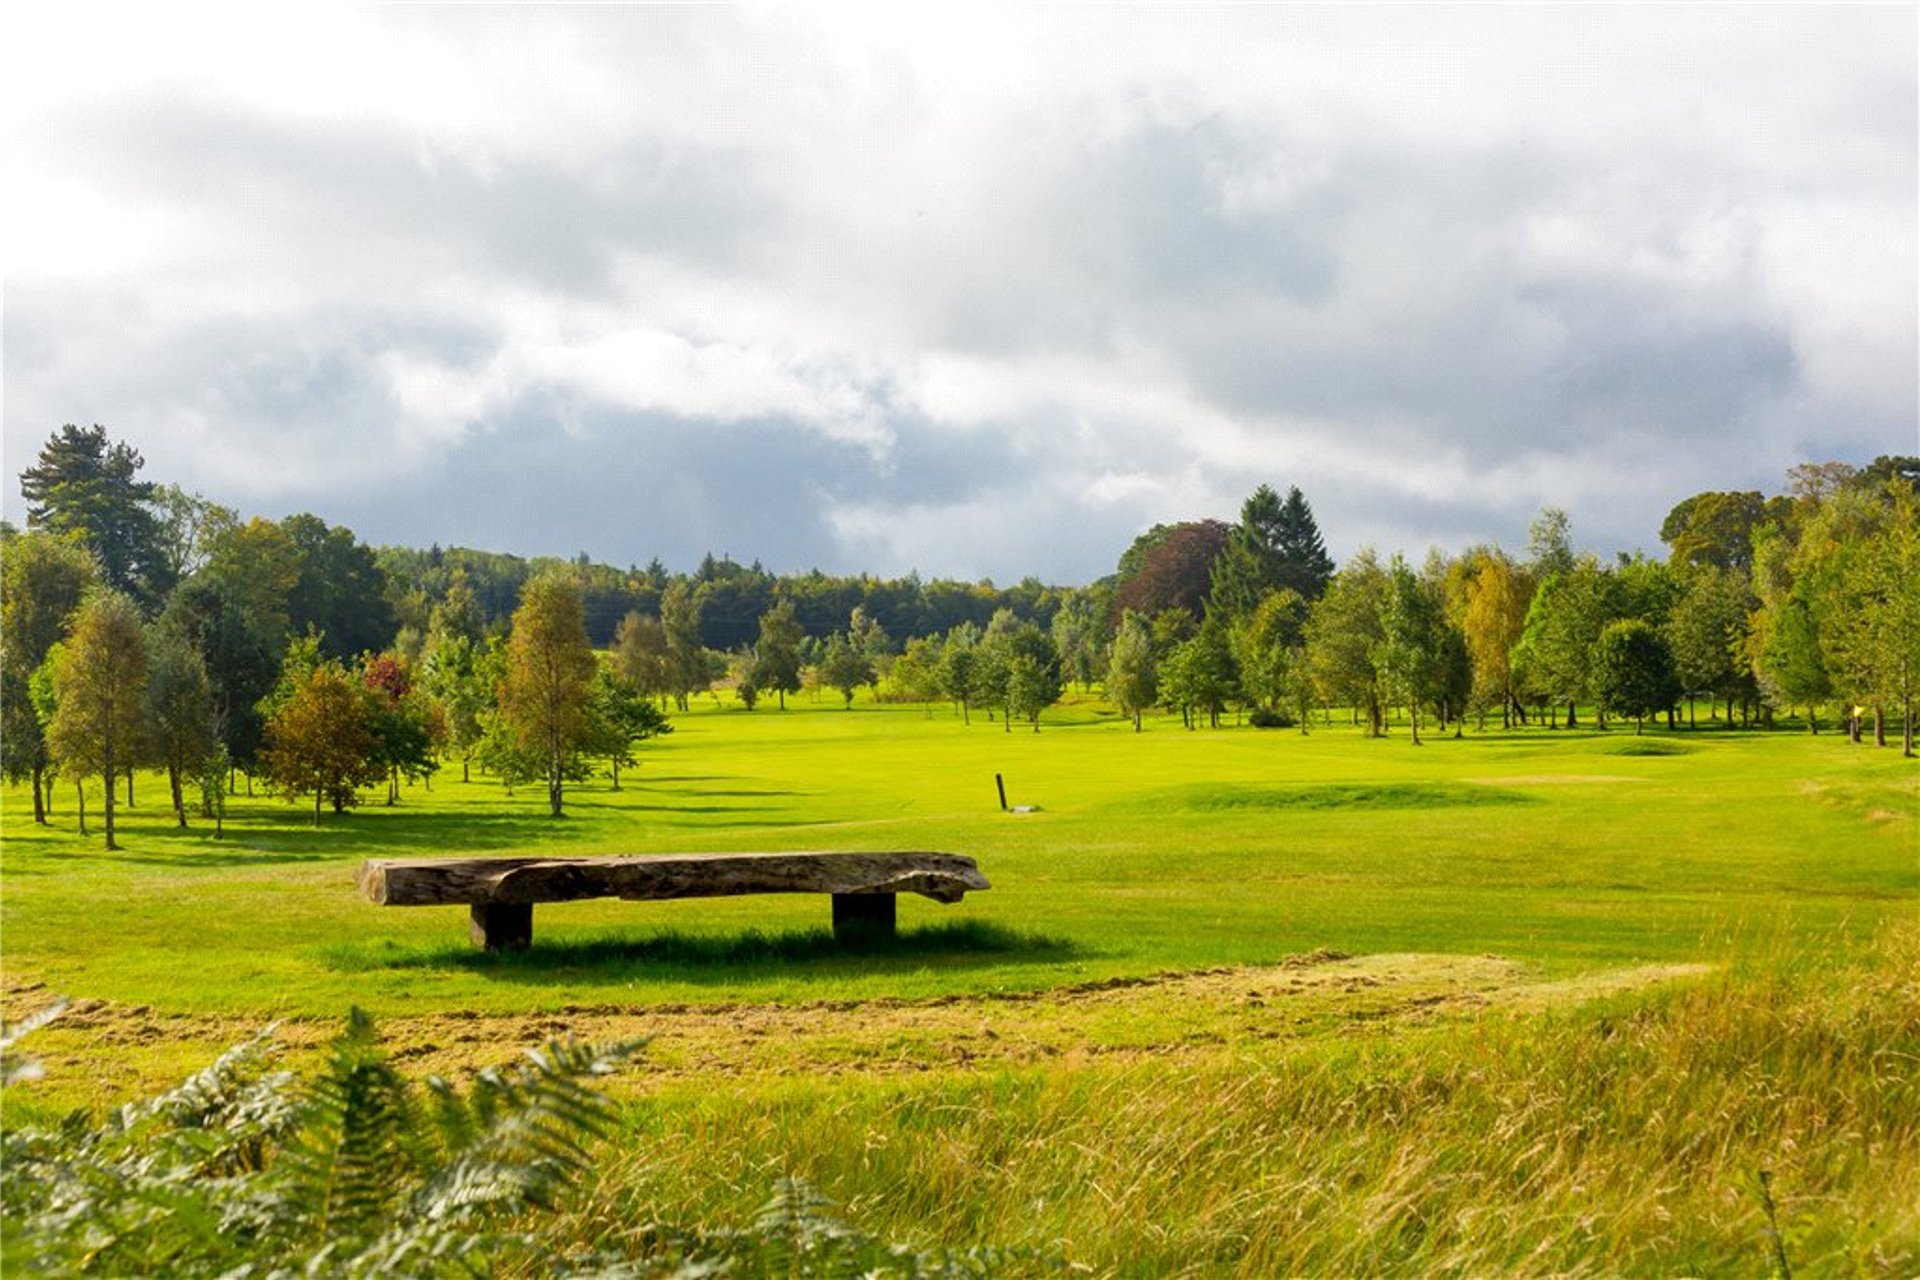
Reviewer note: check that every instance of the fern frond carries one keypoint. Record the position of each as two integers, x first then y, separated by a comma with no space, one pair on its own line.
14,1068
352,1154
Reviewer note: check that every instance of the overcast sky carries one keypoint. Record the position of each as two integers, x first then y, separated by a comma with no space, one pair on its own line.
975,291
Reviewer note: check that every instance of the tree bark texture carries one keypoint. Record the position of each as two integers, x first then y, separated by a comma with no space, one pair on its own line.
410,882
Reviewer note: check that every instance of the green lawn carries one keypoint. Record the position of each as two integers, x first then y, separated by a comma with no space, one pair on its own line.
1239,1002
1163,850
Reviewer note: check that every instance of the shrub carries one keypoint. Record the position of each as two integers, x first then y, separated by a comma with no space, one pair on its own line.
1270,718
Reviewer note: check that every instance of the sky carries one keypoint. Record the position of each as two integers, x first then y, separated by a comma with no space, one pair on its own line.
970,290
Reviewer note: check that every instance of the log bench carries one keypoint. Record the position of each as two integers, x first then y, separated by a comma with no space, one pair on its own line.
501,892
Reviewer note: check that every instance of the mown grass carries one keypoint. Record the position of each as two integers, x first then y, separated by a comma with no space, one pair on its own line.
1605,1134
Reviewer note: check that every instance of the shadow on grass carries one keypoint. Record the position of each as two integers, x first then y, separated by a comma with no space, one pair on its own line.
1222,798
722,958
366,832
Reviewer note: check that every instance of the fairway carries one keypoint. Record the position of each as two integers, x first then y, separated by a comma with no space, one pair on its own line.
1169,850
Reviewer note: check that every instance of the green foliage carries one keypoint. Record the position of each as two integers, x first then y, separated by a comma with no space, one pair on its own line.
1633,671
180,725
1200,674
619,717
355,1171
86,486
1343,635
99,720
846,665
1410,655
776,658
1555,655
1132,676
43,578
339,591
545,693
1714,530
686,658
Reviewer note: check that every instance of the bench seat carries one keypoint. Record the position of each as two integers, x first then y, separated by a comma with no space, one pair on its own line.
501,892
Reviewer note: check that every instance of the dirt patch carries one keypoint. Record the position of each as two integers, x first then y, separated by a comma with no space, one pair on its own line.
1168,1014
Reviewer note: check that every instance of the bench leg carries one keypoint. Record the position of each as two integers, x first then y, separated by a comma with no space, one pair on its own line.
503,926
863,915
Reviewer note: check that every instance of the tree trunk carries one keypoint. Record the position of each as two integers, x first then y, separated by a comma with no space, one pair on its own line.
1879,725
80,789
316,805
1413,718
1906,727
1572,723
129,786
173,785
109,779
39,801
1136,719
615,760
1812,725
466,774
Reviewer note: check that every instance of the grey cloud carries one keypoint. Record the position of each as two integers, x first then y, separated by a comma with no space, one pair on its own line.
362,190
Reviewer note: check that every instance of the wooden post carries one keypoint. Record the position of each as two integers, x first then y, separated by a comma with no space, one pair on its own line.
1001,783
861,916
503,926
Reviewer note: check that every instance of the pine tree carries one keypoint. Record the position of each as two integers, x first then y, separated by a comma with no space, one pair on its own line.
1305,566
86,486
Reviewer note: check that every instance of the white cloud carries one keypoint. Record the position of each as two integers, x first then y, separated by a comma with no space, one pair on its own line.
1436,265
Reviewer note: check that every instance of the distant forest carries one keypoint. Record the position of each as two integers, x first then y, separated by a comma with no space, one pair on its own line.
142,625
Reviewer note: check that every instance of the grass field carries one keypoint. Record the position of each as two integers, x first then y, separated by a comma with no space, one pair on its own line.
1238,1002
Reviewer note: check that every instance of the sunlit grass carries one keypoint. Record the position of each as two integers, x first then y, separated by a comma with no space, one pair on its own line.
961,1083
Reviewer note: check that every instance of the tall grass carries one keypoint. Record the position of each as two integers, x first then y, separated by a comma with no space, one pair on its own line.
1625,1136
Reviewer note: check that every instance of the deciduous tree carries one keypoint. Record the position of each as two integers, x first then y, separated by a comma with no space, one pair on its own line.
776,658
1132,678
687,670
549,671
846,666
43,577
640,654
1343,628
1633,672
1409,653
100,683
179,711
320,739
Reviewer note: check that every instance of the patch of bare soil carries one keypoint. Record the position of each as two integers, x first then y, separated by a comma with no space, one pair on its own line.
1164,1015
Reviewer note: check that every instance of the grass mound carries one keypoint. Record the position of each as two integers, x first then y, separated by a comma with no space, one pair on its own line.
1218,798
1647,747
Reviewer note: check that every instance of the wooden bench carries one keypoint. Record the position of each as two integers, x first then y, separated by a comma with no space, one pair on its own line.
501,892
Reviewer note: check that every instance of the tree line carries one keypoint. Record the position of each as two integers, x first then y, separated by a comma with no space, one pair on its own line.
142,626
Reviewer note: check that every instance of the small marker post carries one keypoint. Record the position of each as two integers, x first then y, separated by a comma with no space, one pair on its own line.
1001,783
